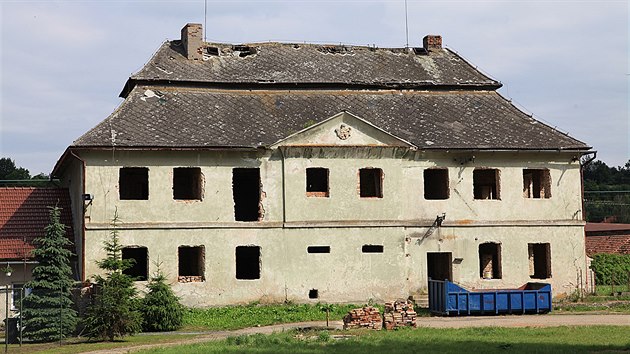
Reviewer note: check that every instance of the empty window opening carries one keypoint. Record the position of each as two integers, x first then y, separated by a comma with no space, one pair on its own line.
313,294
317,182
248,262
246,192
436,183
187,183
133,183
490,260
18,293
539,260
318,249
536,183
191,263
139,257
440,265
486,183
372,249
371,183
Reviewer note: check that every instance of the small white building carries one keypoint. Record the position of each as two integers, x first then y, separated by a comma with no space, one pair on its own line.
274,171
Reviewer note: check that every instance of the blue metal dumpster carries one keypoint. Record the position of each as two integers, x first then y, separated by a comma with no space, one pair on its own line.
450,299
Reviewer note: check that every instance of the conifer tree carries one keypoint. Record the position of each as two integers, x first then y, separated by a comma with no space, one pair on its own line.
161,309
47,312
114,310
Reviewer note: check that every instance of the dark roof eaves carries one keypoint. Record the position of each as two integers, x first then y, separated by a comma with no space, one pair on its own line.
131,83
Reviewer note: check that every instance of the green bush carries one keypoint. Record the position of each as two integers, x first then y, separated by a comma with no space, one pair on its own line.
611,269
161,310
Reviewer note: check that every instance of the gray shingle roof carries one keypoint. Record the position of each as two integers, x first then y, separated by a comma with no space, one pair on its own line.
206,117
304,64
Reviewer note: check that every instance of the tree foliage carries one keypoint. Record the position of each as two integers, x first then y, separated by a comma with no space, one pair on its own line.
48,312
161,309
115,308
9,171
611,269
606,192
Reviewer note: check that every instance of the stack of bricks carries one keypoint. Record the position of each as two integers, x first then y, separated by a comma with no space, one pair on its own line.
399,314
366,317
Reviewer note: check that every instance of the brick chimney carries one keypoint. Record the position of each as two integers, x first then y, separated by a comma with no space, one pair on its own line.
432,42
192,40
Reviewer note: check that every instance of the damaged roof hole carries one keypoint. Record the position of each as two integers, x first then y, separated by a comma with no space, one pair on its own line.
212,51
420,51
244,50
334,49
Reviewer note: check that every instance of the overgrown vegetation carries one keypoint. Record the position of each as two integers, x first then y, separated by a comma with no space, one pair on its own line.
611,269
161,310
115,308
425,340
606,192
48,313
234,317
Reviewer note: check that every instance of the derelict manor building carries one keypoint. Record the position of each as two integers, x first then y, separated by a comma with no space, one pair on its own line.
273,171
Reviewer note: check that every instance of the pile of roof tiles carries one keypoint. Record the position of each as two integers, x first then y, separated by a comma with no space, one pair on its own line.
399,314
365,317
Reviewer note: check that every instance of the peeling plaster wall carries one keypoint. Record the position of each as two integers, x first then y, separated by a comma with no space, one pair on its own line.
400,221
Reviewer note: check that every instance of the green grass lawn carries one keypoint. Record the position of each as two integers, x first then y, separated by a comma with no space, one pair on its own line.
234,317
80,345
431,340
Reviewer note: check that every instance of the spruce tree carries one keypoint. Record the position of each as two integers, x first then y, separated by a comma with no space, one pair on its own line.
161,309
47,312
114,311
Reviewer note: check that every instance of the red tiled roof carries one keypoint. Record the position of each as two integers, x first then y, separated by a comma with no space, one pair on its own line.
24,214
605,227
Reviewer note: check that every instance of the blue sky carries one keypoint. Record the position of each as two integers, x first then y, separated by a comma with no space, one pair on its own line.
63,63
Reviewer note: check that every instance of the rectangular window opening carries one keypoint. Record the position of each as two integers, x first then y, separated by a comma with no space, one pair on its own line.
539,260
18,291
139,257
436,184
318,249
248,262
317,182
133,183
372,249
371,183
187,183
490,260
486,183
191,264
246,192
313,294
536,183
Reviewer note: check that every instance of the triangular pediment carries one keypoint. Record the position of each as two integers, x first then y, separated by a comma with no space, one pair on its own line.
343,129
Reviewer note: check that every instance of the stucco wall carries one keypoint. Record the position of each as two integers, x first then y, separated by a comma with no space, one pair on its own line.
400,221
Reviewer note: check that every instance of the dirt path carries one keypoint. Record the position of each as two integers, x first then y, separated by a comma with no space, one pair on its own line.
433,322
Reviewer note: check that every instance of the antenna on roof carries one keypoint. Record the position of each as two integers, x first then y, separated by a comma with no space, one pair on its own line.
205,19
406,27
